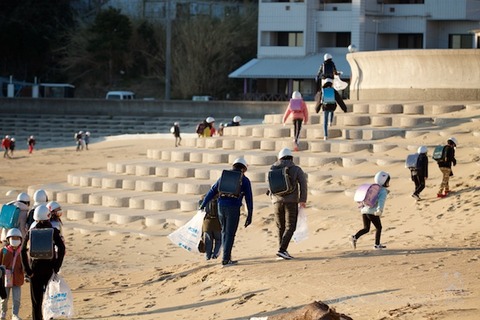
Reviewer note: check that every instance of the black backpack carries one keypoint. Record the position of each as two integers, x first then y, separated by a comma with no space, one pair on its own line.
230,183
279,181
328,69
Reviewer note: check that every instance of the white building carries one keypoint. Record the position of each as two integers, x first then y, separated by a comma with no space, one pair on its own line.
294,35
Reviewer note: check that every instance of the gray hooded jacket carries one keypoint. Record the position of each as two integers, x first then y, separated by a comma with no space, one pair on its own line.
297,179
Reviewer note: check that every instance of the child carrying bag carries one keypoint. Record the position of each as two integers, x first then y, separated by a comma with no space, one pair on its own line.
57,299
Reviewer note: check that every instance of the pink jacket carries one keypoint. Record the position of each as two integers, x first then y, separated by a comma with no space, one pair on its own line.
300,114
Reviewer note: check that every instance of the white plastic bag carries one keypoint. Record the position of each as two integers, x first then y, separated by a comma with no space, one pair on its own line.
338,84
188,236
301,232
57,299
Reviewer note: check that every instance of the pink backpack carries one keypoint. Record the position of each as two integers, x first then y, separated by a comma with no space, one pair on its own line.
367,195
296,104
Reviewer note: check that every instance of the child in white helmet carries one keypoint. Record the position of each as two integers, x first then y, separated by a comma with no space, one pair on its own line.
445,166
420,173
10,257
40,270
297,108
372,214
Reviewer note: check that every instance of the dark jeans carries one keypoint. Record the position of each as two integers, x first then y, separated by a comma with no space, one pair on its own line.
419,181
213,242
367,220
297,126
286,215
229,218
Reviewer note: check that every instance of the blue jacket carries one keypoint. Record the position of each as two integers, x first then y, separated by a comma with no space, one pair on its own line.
246,191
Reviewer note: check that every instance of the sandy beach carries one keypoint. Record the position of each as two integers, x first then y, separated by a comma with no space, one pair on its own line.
430,269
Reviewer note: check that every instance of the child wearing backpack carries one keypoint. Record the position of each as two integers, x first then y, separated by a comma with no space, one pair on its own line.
327,100
420,173
298,109
212,230
372,214
445,165
10,257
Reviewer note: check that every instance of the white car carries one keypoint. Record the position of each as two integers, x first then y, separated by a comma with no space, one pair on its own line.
120,95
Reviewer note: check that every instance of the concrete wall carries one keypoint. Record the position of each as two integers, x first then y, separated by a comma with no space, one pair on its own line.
435,74
156,108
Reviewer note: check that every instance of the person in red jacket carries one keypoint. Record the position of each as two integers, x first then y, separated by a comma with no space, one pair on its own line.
6,146
298,109
11,259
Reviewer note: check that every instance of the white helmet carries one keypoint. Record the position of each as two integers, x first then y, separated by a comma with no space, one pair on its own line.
453,139
422,149
22,196
54,205
296,95
41,213
240,161
13,139
40,196
176,123
81,132
7,137
327,80
237,119
14,232
327,56
382,178
32,137
210,119
87,133
285,152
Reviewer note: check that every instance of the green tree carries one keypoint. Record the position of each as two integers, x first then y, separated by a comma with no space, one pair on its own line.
31,30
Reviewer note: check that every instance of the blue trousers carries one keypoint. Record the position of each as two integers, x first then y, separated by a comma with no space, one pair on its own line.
327,115
229,218
213,243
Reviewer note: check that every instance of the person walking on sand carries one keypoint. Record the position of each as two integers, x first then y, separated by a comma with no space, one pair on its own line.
6,146
445,166
372,214
31,144
286,204
229,208
176,133
420,173
10,257
86,139
328,99
12,146
212,230
298,109
39,270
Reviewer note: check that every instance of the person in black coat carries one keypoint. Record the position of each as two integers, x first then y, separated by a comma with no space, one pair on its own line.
39,271
420,173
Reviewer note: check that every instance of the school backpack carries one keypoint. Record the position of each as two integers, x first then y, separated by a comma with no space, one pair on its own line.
230,184
328,69
412,161
41,243
279,182
367,195
296,104
200,128
328,96
9,216
440,153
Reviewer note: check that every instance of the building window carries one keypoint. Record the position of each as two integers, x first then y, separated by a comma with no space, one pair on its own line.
460,41
289,39
335,1
343,39
410,41
402,1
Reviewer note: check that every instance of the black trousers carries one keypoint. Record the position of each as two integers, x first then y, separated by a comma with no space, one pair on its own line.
38,284
367,220
419,181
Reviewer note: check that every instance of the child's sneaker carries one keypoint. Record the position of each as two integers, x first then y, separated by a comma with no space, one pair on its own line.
229,263
353,242
441,195
416,197
379,247
284,254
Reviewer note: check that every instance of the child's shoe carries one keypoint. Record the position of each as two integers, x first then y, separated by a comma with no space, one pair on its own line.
441,195
379,247
353,242
416,197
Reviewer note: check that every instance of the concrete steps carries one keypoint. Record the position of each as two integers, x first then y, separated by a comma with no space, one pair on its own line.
165,186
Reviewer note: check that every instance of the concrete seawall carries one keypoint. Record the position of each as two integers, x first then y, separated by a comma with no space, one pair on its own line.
155,108
452,75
